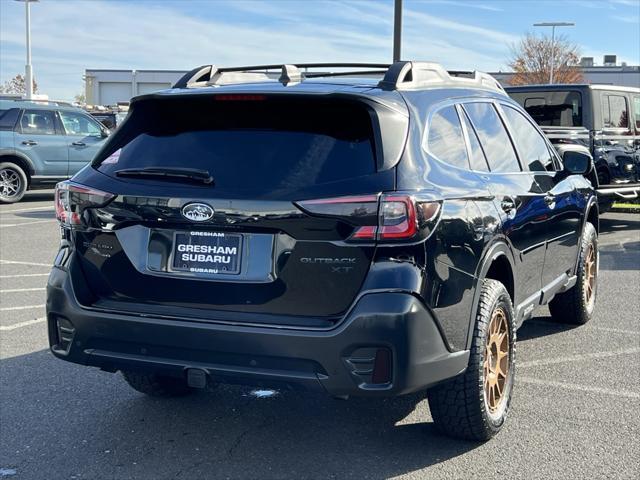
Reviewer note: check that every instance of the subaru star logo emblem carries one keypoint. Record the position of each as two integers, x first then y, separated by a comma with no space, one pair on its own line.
197,212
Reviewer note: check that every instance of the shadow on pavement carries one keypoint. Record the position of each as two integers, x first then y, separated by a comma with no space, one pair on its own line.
619,222
36,196
46,213
538,327
91,423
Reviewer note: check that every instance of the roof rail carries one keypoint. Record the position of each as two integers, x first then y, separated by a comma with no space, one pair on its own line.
402,75
58,103
406,75
206,75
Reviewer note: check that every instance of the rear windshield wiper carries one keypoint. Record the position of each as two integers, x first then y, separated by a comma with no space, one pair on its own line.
168,173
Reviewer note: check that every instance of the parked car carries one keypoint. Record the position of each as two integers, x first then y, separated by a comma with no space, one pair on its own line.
109,118
42,143
327,231
605,119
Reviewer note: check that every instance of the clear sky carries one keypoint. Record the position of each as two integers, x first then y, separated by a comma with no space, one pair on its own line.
71,35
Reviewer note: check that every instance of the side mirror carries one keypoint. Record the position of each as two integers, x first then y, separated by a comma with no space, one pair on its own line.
105,132
577,163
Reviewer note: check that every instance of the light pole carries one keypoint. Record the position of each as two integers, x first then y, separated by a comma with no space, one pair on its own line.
28,77
553,26
397,30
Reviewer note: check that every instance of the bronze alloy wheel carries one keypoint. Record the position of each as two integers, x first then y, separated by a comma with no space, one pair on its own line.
496,360
590,273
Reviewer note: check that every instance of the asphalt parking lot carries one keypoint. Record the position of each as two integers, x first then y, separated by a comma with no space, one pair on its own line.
575,413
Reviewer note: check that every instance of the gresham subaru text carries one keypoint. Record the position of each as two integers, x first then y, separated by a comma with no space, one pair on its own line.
352,235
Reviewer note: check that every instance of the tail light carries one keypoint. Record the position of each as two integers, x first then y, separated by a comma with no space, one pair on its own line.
379,217
72,199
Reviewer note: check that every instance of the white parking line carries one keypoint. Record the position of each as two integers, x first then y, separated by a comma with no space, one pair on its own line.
25,275
33,209
579,388
17,290
579,357
15,326
27,223
14,262
25,307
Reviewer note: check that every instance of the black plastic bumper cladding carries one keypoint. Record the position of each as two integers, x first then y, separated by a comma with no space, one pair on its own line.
312,359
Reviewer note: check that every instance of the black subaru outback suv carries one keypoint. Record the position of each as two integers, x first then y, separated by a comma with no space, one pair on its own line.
328,231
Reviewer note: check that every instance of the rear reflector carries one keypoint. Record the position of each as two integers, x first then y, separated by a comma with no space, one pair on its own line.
382,367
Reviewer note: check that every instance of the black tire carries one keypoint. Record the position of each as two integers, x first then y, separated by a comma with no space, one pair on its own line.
460,407
157,385
576,306
13,182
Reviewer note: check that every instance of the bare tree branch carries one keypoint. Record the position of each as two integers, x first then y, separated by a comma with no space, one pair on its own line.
17,85
531,60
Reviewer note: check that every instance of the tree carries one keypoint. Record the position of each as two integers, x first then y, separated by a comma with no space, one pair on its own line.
531,60
17,85
79,98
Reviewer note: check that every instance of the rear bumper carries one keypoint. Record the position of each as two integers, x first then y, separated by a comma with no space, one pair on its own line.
338,361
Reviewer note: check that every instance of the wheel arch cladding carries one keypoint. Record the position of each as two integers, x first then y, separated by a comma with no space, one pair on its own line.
496,264
593,215
20,161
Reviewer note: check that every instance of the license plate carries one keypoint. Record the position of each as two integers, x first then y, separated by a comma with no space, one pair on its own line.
207,252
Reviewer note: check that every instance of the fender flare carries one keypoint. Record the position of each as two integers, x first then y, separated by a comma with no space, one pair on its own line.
12,153
591,204
497,249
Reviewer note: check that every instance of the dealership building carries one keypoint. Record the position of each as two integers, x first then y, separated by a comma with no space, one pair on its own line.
109,87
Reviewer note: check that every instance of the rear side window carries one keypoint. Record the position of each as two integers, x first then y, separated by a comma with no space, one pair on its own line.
529,142
493,137
38,122
615,113
636,109
77,124
552,109
8,118
260,145
446,140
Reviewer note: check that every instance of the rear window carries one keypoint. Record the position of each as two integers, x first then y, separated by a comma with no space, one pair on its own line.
8,118
493,137
615,113
445,138
258,144
552,109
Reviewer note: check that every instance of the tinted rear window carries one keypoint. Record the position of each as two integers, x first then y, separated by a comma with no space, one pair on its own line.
445,138
8,118
493,137
552,109
254,145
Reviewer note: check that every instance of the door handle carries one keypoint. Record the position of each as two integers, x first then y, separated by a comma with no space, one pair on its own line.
29,142
79,144
550,200
508,205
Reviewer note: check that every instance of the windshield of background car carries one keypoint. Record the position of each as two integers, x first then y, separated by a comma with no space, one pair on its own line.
255,144
553,108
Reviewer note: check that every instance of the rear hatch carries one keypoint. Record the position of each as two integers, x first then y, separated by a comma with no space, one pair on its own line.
240,207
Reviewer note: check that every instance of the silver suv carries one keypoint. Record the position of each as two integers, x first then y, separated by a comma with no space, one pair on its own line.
42,143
